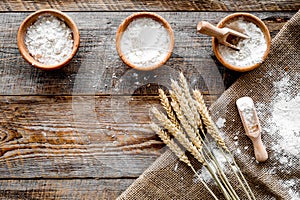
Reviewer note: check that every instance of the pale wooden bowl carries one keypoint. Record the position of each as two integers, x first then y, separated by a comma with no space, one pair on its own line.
29,21
125,24
247,17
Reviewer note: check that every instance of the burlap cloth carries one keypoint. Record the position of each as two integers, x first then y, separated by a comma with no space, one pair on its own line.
168,178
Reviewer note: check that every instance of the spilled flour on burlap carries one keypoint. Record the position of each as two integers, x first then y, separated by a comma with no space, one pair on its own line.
290,185
205,174
283,126
220,122
285,121
286,116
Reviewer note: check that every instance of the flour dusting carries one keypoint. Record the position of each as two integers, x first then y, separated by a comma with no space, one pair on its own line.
223,163
292,190
220,122
285,120
283,126
286,116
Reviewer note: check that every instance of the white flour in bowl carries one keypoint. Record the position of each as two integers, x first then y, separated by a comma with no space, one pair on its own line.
145,42
251,50
49,40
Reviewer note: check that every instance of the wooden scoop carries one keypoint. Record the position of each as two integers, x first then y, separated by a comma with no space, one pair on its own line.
252,126
222,34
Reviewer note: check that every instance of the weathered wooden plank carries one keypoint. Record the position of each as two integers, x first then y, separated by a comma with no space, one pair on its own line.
69,137
97,69
76,137
63,189
154,5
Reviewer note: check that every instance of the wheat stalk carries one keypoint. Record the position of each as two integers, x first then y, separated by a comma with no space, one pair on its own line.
186,144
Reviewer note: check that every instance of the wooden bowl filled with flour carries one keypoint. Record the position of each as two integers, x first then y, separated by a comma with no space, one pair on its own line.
252,51
48,39
145,41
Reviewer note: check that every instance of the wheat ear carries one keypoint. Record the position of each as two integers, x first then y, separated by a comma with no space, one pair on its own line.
166,104
186,110
208,122
183,140
185,124
190,101
171,144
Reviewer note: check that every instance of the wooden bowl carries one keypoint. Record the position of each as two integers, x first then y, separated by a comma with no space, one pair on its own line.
29,21
125,24
246,17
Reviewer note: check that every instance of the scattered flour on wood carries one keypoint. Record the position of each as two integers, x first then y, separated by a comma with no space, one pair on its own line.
49,40
251,50
145,42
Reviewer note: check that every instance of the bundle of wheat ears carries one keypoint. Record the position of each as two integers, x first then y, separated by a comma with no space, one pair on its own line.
187,126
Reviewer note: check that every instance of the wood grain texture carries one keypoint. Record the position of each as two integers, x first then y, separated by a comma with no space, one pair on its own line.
89,189
151,5
76,137
97,69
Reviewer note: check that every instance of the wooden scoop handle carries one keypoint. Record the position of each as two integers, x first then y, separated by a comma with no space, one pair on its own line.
260,151
211,30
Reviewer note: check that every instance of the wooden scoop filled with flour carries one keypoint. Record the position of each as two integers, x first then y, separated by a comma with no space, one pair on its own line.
252,126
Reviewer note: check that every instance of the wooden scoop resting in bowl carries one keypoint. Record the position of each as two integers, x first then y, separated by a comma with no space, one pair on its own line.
252,126
222,34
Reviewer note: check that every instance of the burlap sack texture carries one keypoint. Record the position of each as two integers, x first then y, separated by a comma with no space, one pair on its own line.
168,178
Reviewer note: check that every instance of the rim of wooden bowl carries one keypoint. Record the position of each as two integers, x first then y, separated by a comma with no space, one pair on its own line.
125,24
247,17
29,20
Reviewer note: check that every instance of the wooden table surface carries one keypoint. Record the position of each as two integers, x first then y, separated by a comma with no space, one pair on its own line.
82,132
